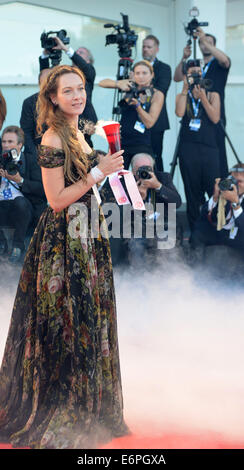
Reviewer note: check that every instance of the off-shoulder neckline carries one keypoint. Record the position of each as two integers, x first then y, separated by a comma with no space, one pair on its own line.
62,150
50,147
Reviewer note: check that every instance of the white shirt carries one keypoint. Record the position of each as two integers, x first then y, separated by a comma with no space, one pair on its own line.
230,218
7,190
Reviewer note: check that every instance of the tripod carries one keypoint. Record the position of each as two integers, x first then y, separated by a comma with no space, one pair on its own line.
175,156
123,71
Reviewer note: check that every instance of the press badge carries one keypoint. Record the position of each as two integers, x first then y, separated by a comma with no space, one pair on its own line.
195,124
140,127
233,233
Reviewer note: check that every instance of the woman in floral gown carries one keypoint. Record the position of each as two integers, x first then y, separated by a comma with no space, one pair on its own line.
60,383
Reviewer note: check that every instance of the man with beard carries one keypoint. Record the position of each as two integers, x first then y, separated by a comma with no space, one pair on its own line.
216,68
161,81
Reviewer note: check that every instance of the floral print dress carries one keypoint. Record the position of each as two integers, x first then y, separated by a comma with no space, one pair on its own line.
60,382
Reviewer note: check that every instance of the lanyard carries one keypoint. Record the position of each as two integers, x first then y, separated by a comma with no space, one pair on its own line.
194,105
205,70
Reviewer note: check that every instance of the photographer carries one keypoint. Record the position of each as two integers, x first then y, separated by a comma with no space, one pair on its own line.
22,197
161,81
222,217
216,68
198,152
140,109
83,59
154,187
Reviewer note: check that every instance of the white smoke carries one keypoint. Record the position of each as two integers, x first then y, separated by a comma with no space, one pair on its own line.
8,283
181,349
181,352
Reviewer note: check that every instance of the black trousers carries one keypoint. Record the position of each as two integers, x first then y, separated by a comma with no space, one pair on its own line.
16,213
206,234
199,166
157,146
220,139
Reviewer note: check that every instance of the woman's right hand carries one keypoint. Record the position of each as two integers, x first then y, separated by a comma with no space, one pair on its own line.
125,84
111,163
186,52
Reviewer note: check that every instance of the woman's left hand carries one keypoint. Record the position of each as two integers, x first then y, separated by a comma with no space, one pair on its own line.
134,102
199,93
232,195
151,183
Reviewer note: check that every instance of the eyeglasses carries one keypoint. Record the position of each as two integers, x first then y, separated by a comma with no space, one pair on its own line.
236,170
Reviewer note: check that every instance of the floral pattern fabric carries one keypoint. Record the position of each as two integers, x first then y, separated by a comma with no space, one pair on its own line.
60,382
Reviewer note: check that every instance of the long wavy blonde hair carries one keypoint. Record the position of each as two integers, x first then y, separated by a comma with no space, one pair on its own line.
53,117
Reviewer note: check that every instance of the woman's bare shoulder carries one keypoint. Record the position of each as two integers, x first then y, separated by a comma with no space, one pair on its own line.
51,139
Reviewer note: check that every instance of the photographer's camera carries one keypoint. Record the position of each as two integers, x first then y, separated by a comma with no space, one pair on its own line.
9,162
143,172
195,78
48,42
228,183
124,37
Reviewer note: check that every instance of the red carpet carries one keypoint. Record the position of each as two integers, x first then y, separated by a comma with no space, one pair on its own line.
170,441
8,446
175,441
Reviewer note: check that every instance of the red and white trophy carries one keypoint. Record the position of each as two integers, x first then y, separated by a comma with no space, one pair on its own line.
112,132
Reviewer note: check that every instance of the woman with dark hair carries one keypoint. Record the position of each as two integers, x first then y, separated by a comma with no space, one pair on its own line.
198,151
138,114
60,383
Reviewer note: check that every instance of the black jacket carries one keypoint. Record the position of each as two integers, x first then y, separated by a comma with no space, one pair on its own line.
161,81
32,187
28,124
168,193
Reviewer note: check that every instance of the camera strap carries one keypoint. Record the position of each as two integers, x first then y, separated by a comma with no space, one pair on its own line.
16,187
12,184
205,69
195,105
195,123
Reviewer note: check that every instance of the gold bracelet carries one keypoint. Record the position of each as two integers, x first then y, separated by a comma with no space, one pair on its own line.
184,94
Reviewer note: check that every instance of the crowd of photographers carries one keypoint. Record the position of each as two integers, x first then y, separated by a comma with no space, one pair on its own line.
144,120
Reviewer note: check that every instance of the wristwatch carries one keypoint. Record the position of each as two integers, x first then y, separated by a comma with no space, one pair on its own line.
235,205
